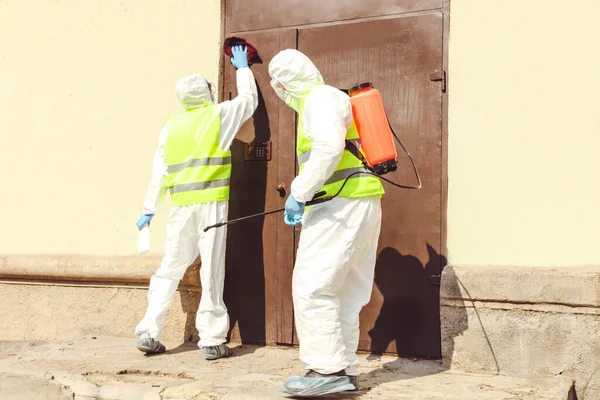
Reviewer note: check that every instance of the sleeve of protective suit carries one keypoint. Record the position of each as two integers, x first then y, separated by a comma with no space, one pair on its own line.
327,117
235,112
156,190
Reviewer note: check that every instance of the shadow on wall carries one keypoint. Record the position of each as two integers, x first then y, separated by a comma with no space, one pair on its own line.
454,318
409,320
244,277
190,302
410,315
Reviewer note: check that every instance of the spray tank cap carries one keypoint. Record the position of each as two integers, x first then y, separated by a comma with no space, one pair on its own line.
359,87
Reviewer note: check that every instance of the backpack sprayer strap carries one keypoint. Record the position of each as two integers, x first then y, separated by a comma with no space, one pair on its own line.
351,147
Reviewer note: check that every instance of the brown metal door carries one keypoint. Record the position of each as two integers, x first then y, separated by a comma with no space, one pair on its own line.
398,55
250,15
260,251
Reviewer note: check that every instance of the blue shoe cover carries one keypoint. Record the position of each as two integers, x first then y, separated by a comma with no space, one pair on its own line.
304,386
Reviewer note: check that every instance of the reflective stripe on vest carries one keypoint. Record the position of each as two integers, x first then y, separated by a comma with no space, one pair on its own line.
188,187
342,174
360,185
197,162
198,171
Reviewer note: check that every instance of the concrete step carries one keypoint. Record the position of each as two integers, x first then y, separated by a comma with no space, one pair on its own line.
112,368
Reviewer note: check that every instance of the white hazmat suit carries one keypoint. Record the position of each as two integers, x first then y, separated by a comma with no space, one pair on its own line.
335,263
185,237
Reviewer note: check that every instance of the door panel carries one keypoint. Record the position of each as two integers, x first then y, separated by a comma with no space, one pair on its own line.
245,15
260,251
397,56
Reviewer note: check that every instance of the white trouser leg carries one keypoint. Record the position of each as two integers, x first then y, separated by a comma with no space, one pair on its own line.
330,235
212,320
356,292
181,249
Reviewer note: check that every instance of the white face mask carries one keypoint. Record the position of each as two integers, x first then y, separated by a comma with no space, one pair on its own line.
211,89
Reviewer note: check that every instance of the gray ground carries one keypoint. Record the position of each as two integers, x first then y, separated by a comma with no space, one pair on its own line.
112,368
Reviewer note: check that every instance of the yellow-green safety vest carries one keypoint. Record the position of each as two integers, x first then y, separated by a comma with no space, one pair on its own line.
198,171
359,185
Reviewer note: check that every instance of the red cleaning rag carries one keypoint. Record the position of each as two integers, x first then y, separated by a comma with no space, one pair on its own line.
253,57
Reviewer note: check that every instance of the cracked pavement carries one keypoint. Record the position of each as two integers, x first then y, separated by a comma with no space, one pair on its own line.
112,368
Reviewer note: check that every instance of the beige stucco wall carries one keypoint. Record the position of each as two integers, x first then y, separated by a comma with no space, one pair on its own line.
85,87
84,90
524,133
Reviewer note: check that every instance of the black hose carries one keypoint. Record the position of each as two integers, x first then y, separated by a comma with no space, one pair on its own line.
411,160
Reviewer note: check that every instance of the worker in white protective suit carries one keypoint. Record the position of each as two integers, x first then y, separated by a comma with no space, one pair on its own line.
193,161
333,275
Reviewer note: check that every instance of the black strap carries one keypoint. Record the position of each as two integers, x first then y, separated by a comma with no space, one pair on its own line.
351,147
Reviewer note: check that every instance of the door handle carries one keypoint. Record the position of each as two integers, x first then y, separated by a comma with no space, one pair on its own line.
281,189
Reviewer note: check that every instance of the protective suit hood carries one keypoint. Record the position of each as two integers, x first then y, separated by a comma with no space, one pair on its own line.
293,75
193,91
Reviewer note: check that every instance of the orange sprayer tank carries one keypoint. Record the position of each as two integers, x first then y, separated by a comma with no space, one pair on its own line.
373,128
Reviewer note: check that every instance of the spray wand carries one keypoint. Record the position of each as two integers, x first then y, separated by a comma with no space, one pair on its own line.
317,199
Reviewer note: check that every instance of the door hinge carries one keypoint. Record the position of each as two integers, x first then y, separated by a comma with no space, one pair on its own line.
437,76
435,280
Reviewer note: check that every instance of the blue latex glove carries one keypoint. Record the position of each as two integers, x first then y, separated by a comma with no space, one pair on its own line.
240,57
143,220
293,211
